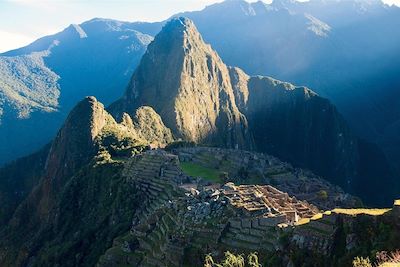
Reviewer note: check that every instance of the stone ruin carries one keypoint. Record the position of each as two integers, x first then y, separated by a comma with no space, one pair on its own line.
266,202
243,167
179,212
180,217
158,172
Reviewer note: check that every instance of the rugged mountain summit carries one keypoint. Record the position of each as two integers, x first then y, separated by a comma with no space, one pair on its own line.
90,128
186,82
74,144
73,148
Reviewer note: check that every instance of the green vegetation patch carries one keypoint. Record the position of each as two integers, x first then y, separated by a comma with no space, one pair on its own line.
196,170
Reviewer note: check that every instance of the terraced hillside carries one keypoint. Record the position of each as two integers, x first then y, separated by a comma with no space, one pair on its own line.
183,218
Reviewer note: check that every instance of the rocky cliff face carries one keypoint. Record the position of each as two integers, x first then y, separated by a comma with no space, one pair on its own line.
298,126
150,127
186,82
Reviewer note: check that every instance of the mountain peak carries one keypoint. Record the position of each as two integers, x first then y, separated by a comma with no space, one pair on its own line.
188,85
178,28
74,142
179,22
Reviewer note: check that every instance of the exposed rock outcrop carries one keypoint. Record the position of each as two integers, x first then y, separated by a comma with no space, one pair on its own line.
150,127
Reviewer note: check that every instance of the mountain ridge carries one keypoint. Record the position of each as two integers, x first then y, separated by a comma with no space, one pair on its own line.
193,69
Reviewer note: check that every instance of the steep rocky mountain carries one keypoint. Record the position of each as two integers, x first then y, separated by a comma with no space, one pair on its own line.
317,44
202,100
40,83
187,83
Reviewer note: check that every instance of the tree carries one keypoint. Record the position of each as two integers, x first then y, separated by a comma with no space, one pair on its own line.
322,194
232,260
361,262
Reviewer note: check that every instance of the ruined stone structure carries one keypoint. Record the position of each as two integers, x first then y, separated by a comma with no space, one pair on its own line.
268,202
244,167
177,214
180,219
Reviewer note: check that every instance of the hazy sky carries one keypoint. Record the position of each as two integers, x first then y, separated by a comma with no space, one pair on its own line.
23,21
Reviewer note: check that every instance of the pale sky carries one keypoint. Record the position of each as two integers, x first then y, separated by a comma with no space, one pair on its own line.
23,21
